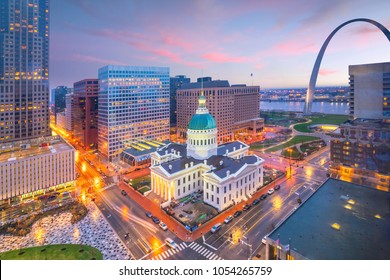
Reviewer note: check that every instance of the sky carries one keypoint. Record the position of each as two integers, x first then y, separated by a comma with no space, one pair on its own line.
278,41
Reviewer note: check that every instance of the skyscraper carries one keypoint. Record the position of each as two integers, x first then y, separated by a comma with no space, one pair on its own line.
175,84
60,93
369,91
85,112
24,69
133,105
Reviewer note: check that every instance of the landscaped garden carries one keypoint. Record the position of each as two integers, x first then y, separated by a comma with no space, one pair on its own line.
54,252
141,184
23,226
293,141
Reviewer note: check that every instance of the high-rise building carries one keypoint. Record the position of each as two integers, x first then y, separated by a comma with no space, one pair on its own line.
369,91
85,112
235,108
361,146
68,113
60,93
175,84
24,69
133,105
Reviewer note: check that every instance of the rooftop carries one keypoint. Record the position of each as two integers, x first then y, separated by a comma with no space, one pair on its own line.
363,217
146,147
35,147
206,84
371,123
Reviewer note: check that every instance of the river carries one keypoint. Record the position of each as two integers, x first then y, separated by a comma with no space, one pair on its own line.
318,107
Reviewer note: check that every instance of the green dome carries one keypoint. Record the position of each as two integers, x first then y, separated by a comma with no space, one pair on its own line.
202,122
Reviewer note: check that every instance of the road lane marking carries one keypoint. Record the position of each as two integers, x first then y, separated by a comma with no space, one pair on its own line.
201,251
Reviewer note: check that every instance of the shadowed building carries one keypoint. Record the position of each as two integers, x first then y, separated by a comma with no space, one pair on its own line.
85,113
175,84
340,221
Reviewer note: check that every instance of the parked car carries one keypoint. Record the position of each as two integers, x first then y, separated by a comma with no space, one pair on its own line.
216,228
148,214
237,213
263,196
163,226
170,243
256,201
155,220
246,207
228,219
169,211
270,191
264,240
277,187
123,192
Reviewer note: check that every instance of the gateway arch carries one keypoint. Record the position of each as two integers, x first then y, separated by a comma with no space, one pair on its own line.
314,74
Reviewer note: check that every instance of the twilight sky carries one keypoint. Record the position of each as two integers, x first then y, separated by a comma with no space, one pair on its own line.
276,40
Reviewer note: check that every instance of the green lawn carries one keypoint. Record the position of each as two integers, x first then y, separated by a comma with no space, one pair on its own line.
326,119
295,140
294,154
140,182
54,252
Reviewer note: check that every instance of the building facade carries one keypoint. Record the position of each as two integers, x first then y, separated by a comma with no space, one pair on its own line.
369,96
24,69
68,113
361,149
61,120
235,108
32,167
175,84
60,93
85,111
133,105
226,174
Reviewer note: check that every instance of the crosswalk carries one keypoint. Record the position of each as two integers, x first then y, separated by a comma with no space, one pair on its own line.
170,252
205,252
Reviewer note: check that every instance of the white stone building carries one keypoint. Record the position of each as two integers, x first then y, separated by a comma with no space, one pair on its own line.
32,167
227,174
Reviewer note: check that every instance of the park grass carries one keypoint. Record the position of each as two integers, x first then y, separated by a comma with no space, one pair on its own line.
140,182
322,119
54,252
144,189
293,141
295,154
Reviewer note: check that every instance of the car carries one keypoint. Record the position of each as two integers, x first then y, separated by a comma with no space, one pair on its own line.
237,213
126,235
263,196
277,187
256,201
170,243
246,207
216,228
264,240
155,220
270,191
228,219
169,211
123,192
163,226
148,214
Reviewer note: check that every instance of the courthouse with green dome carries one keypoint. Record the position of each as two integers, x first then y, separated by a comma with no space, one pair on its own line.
227,174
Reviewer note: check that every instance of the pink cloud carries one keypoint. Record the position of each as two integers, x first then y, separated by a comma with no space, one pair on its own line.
88,58
325,72
222,58
177,42
295,48
165,53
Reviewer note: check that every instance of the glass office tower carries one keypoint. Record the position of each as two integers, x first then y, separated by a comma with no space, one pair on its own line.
133,105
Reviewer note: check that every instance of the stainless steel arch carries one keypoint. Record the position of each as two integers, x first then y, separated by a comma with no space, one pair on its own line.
314,74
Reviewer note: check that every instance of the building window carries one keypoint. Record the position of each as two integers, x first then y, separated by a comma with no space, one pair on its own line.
207,195
230,187
178,192
178,182
224,189
212,198
189,178
193,176
224,200
207,186
217,200
217,189
212,188
184,180
184,190
194,186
